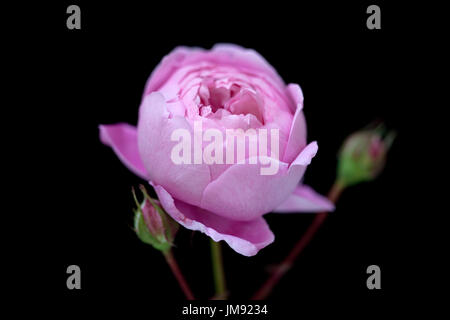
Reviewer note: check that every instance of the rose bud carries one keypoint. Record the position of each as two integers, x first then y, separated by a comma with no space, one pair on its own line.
363,155
208,93
151,223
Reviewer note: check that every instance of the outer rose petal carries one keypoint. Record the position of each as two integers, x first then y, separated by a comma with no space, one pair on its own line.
242,193
304,158
305,199
247,58
297,135
184,181
169,64
222,54
122,138
296,94
246,238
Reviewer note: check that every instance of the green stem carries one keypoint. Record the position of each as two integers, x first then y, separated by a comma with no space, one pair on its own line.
218,271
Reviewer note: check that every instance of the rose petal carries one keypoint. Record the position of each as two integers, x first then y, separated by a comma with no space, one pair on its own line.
243,193
305,199
222,54
296,94
297,135
184,181
122,138
246,238
168,65
247,58
304,158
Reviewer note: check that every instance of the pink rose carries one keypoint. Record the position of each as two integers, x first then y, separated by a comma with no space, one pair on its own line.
228,87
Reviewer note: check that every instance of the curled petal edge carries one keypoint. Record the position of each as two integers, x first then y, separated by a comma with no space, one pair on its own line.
305,199
245,237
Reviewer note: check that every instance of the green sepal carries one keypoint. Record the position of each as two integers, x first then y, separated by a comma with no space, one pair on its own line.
162,241
351,172
170,226
145,236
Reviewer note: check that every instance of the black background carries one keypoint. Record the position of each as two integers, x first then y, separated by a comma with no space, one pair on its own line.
350,76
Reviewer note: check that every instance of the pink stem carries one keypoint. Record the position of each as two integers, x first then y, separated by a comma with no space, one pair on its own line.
178,275
287,263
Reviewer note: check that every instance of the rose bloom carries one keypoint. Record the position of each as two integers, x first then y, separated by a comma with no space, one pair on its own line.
227,87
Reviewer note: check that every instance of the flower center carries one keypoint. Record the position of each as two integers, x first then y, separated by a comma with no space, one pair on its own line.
236,98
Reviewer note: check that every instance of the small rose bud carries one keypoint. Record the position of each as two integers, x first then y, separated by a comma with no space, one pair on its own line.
152,225
152,220
363,155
